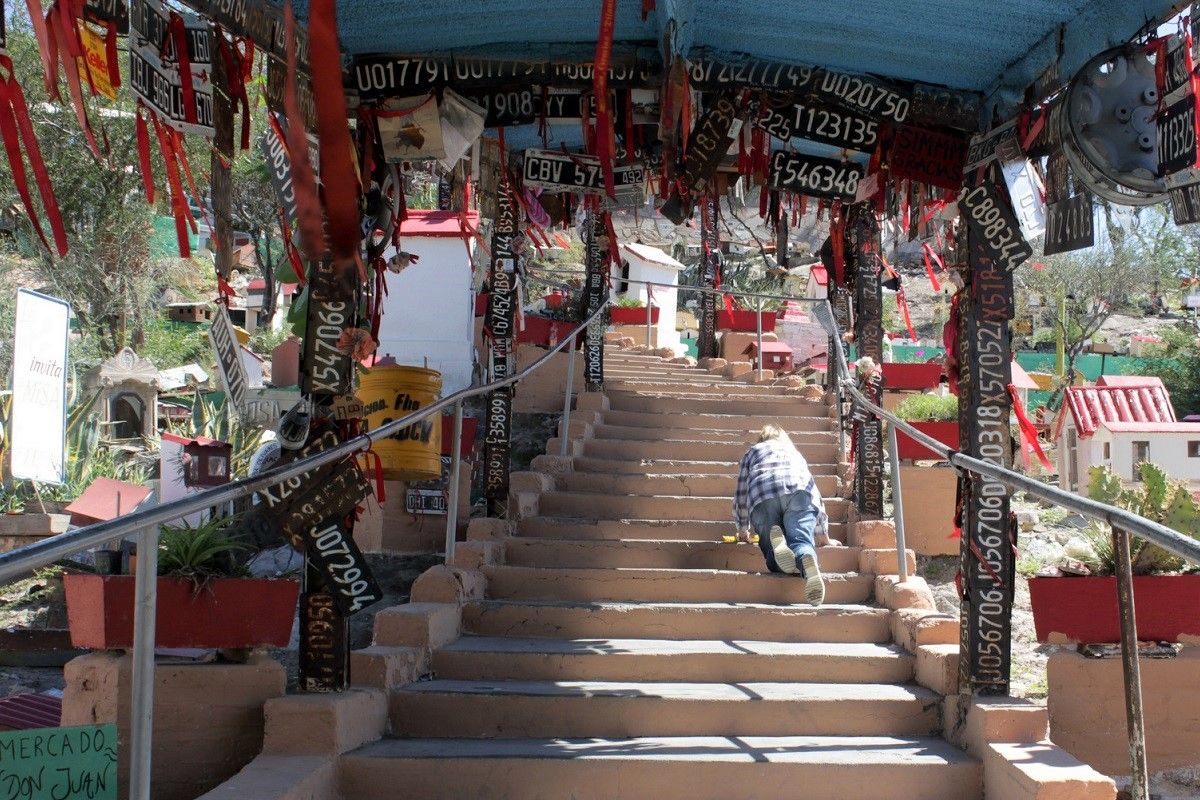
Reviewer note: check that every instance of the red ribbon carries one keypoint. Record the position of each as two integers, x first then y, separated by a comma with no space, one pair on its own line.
604,121
110,54
40,29
1029,437
17,128
933,281
837,229
235,73
176,33
143,145
337,155
179,206
62,31
308,205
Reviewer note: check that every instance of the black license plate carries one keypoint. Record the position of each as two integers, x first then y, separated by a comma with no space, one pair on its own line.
815,176
1177,136
819,124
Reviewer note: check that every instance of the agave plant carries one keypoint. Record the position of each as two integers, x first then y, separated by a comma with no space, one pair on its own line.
201,553
1158,498
217,421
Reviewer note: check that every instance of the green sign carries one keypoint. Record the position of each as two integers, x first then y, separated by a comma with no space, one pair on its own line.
59,764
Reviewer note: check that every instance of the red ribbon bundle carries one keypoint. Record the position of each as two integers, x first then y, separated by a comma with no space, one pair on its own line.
1029,437
17,129
58,29
604,118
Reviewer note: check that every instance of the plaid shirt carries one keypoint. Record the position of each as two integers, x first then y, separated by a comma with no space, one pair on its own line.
774,469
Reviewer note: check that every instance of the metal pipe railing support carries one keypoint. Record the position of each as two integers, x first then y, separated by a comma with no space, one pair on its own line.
564,431
1139,785
452,489
142,703
898,507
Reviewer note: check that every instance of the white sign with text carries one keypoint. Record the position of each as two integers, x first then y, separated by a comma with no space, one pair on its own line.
39,381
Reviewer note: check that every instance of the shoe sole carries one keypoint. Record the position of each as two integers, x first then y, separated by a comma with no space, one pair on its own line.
814,585
784,557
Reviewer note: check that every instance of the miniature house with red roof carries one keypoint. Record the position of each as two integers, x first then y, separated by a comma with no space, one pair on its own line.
1119,423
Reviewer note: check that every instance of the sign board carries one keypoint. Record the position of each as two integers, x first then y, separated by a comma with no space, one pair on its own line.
864,94
425,502
39,382
710,240
1185,203
501,323
1070,225
982,150
229,357
525,105
928,156
862,245
560,172
833,126
326,369
710,140
376,76
989,564
1178,72
59,763
815,176
156,79
324,644
348,579
993,223
708,75
596,277
1177,135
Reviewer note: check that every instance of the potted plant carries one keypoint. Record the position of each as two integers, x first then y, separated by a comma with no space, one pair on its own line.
632,311
932,414
206,598
1166,590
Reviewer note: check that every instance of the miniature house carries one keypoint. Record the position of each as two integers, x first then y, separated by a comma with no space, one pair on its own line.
189,312
1119,425
428,313
640,262
818,283
128,402
775,355
256,302
189,464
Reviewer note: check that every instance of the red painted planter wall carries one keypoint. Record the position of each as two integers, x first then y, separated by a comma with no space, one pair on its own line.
945,432
1084,610
633,316
227,613
911,376
744,321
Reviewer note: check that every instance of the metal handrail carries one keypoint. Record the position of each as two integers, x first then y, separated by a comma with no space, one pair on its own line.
1171,540
16,563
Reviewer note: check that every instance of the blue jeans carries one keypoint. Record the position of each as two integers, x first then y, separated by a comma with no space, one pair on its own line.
797,515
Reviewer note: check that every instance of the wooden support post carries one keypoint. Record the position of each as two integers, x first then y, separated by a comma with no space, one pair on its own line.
862,249
710,209
988,532
502,315
596,252
222,173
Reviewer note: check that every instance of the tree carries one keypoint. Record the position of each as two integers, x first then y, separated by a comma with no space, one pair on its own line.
1177,362
109,275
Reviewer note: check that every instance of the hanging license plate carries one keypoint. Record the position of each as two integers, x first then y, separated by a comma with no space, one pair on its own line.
993,223
815,176
862,94
1185,203
1177,136
559,172
1069,225
928,156
826,125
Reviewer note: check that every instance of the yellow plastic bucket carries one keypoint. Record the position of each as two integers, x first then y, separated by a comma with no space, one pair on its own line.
390,392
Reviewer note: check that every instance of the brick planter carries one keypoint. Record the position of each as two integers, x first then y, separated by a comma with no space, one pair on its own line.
226,613
1083,610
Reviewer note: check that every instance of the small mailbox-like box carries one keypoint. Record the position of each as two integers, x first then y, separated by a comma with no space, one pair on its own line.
775,355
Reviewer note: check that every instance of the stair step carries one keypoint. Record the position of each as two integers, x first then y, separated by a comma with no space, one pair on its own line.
688,386
724,620
598,506
634,466
492,708
510,658
704,586
695,768
776,407
551,527
745,437
820,452
669,554
649,485
721,421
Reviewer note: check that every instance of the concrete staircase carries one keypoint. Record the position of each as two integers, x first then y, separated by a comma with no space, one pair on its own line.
607,644
621,649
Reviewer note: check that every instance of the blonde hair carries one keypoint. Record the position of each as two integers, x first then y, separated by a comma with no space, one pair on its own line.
771,432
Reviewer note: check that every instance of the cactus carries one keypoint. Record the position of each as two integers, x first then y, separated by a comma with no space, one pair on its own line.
1158,498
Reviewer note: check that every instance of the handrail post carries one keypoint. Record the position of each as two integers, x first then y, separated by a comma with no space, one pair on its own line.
649,314
898,507
758,324
1139,786
565,430
142,702
455,466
